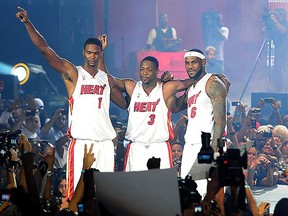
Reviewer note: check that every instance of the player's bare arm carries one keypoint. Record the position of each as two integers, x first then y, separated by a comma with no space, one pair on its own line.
171,88
217,92
180,103
116,95
63,66
104,42
126,85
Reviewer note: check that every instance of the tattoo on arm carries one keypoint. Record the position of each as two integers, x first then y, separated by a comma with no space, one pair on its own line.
67,77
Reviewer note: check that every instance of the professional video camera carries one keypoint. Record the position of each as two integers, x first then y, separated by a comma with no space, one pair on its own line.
206,154
268,22
7,140
188,192
211,19
229,163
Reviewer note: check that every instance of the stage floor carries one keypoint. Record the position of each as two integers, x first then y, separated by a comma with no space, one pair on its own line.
270,194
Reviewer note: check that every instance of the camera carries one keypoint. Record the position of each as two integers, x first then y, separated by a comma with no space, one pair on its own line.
6,196
198,208
7,140
236,103
30,113
268,100
40,145
230,165
188,192
267,211
256,110
80,207
267,134
268,22
253,123
206,154
64,111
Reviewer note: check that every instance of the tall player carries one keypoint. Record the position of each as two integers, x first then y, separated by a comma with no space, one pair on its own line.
88,91
206,103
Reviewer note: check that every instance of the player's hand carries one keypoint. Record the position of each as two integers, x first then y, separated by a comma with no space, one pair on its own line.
22,15
167,76
104,41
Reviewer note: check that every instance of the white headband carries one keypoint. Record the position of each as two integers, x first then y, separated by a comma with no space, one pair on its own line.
194,54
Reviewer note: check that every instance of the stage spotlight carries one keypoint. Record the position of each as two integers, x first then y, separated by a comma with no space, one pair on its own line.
22,71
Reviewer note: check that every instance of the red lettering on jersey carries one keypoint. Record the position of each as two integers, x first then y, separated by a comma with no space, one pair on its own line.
146,106
92,89
143,106
193,99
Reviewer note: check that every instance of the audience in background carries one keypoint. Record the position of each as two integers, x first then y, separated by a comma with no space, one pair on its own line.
266,150
54,131
60,188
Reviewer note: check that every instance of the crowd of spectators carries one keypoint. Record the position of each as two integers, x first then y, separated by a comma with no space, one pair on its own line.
33,169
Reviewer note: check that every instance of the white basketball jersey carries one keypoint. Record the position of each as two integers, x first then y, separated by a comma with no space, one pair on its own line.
199,112
149,119
89,107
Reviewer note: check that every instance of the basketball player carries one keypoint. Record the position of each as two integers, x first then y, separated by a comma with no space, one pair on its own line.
88,91
206,109
149,122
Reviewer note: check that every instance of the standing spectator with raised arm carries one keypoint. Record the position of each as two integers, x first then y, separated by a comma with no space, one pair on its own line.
54,132
89,91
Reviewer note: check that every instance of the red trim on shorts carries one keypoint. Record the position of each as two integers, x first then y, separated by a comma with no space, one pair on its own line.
170,126
169,153
70,170
126,156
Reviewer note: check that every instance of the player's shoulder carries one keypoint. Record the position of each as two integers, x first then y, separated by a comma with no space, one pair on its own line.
222,78
218,82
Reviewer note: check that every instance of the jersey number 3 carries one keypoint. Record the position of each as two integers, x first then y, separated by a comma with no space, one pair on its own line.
152,119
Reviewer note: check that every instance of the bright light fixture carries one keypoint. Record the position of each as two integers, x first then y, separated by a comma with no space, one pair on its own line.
22,71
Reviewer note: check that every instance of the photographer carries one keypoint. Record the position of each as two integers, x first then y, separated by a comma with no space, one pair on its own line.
261,171
56,127
276,26
12,171
239,199
249,124
275,117
215,33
